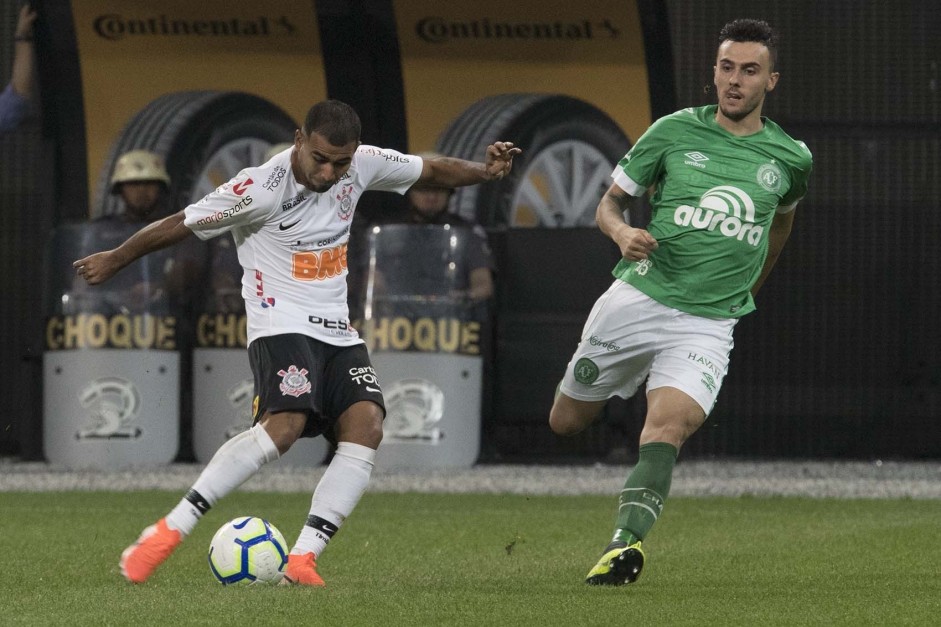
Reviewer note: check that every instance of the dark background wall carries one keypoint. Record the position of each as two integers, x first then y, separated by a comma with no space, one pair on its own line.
843,358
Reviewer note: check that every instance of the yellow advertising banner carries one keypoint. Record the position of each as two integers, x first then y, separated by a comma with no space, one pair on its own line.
133,51
455,53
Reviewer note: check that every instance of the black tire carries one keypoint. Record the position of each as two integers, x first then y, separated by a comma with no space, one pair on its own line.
557,133
191,130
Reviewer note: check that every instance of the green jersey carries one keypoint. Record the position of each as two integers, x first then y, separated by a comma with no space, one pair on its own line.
715,195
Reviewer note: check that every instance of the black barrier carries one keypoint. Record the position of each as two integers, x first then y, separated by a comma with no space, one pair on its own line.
220,320
134,309
416,291
424,337
111,366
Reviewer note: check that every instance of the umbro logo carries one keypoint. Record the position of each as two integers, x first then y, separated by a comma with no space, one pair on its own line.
696,159
285,227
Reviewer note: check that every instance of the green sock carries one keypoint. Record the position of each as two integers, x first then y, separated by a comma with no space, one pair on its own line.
644,492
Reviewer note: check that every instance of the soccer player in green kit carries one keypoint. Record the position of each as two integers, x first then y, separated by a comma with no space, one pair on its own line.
724,182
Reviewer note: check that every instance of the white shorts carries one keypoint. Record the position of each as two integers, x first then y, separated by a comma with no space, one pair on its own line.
630,337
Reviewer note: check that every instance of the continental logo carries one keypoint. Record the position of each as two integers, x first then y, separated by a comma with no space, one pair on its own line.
438,30
121,331
319,265
330,240
427,335
222,331
726,209
115,27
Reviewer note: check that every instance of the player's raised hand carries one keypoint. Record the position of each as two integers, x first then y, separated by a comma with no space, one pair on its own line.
98,267
24,23
499,160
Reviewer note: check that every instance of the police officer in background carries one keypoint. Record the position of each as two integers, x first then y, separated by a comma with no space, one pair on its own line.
141,180
428,205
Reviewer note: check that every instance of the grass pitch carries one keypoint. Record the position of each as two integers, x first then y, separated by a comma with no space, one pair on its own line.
419,559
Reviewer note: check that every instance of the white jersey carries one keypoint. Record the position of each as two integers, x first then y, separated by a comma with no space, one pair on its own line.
292,242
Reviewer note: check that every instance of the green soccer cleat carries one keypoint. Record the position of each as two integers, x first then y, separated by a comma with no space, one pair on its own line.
619,565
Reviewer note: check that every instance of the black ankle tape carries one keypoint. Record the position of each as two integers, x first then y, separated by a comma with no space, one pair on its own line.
323,526
198,501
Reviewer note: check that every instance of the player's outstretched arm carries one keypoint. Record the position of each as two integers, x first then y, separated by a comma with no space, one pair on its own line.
451,172
99,267
635,244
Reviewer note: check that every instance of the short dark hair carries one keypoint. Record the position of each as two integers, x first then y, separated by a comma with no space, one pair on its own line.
752,30
335,120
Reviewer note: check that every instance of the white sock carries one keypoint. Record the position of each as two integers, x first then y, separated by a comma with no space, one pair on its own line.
234,462
336,495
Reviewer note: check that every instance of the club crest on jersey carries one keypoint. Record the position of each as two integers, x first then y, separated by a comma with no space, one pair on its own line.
346,202
769,177
294,382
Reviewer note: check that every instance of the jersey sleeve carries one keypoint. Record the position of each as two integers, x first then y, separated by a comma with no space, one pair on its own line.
800,178
240,202
387,170
642,166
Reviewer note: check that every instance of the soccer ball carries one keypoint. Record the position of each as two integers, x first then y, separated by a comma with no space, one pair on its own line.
248,550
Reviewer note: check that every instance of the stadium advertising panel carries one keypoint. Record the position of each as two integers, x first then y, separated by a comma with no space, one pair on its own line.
148,72
454,53
570,86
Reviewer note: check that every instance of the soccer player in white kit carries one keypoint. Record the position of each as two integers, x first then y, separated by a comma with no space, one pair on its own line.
290,219
724,183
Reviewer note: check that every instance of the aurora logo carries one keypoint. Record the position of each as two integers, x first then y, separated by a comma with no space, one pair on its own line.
725,208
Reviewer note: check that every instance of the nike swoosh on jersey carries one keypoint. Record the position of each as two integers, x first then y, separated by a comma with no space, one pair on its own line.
285,228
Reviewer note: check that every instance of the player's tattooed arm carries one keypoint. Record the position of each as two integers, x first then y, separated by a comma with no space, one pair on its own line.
635,244
452,172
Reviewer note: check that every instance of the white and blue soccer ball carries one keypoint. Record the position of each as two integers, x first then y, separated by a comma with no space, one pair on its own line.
248,550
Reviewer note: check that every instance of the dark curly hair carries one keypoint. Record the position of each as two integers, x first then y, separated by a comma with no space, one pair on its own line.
752,30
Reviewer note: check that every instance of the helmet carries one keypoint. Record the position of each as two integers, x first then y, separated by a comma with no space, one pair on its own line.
138,165
276,149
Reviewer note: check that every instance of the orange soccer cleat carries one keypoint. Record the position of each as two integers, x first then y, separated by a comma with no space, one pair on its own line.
302,571
152,548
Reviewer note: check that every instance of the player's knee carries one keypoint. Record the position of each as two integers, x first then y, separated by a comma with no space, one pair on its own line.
570,416
559,423
567,420
284,428
372,434
361,424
